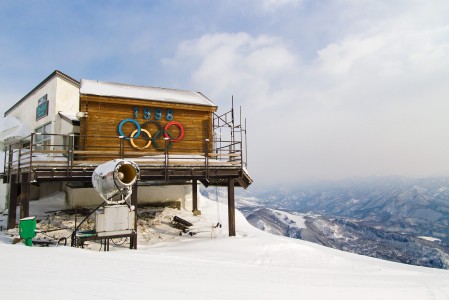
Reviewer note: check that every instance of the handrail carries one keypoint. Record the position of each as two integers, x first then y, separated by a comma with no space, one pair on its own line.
68,151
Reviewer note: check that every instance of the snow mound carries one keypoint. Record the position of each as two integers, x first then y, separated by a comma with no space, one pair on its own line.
253,265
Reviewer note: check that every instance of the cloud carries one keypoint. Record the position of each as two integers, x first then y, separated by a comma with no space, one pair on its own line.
372,101
275,4
224,63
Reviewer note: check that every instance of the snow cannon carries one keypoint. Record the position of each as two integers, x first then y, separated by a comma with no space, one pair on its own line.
113,180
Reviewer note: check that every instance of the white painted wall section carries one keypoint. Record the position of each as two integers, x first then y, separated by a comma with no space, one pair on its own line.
88,197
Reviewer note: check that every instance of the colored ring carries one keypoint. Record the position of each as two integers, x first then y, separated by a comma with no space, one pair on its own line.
132,121
144,147
159,133
152,122
181,135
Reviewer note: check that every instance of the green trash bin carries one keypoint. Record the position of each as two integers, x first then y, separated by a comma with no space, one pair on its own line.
27,228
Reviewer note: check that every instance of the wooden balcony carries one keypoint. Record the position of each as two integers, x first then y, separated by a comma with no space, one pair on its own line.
65,159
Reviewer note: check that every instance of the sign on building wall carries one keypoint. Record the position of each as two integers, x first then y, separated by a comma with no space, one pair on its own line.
42,107
155,118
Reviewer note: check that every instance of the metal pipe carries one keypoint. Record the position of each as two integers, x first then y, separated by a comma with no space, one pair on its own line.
206,158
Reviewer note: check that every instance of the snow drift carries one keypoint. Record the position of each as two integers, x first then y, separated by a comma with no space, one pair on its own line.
253,265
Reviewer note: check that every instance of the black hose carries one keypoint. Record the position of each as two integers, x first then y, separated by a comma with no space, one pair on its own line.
62,239
78,227
119,244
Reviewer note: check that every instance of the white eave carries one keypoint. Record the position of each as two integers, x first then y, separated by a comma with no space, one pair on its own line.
99,88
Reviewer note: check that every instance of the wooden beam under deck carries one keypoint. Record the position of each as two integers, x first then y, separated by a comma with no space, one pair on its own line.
12,207
194,194
25,197
216,175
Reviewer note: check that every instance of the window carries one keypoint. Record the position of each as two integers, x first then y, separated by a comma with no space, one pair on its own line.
70,142
43,140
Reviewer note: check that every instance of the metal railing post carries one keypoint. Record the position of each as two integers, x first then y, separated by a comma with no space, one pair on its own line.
71,151
241,156
68,152
31,152
122,147
166,159
206,158
19,159
4,162
32,138
10,159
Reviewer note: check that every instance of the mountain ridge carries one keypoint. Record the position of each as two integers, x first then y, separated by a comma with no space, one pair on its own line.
394,218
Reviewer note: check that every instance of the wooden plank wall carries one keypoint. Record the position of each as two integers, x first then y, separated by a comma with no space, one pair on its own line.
104,114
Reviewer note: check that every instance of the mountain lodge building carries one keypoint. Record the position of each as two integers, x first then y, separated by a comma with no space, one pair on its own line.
64,128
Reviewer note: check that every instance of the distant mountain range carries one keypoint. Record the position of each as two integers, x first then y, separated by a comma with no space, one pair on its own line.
351,236
394,218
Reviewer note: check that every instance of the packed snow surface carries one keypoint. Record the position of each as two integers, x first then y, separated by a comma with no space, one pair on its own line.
252,265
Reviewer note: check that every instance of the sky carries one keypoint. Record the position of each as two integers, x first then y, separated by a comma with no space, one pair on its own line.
330,89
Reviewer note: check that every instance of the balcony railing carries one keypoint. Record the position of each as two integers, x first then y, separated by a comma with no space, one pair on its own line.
65,153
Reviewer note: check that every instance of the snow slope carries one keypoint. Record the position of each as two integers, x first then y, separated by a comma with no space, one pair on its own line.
253,265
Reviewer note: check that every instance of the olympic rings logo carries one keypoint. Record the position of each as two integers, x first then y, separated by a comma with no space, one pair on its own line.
151,140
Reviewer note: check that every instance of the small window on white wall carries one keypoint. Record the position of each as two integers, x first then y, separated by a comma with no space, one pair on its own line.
43,139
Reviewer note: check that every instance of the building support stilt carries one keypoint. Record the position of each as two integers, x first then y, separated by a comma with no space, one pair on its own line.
133,239
12,206
231,207
194,195
25,197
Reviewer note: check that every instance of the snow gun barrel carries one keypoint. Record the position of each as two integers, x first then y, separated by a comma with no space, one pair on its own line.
114,179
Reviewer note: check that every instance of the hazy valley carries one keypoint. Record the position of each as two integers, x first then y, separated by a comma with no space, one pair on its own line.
394,218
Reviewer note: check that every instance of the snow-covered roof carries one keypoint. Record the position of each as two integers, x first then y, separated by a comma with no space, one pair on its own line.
99,88
69,117
12,130
56,73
